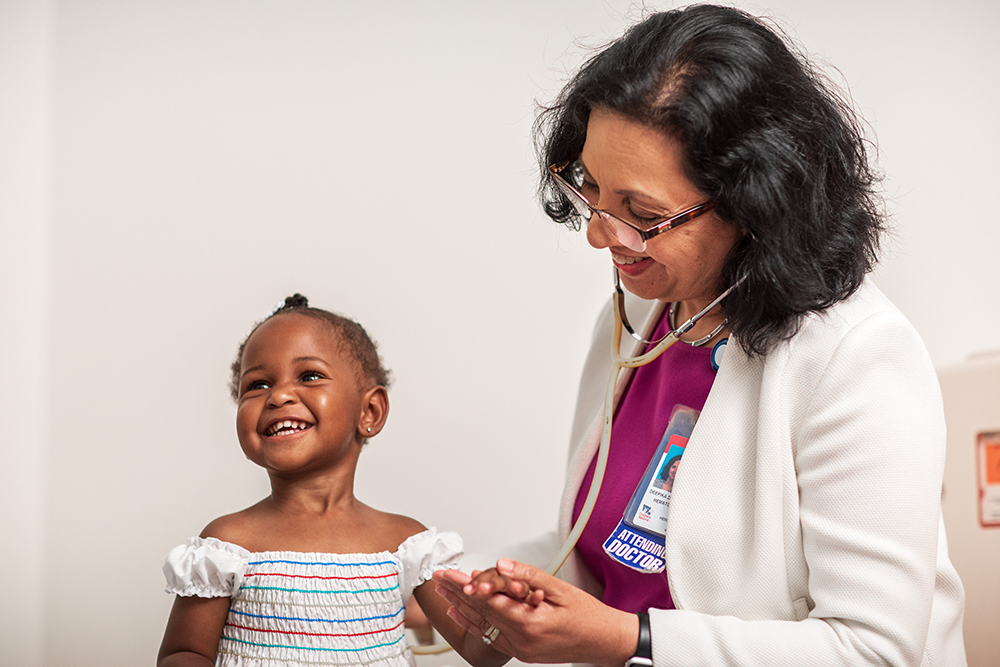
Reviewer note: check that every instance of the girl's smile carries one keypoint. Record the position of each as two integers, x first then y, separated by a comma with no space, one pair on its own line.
285,427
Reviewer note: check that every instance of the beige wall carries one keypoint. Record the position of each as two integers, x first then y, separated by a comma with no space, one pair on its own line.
25,279
169,171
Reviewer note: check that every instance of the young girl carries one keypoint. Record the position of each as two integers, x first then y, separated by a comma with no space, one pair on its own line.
309,575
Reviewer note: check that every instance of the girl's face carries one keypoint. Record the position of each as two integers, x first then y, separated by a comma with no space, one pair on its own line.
301,406
636,173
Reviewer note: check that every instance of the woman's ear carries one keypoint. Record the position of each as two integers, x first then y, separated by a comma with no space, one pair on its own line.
374,411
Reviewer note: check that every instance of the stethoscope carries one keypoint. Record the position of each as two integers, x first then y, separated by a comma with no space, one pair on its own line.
618,362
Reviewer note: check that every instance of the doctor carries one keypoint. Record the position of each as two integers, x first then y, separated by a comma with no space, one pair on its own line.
702,151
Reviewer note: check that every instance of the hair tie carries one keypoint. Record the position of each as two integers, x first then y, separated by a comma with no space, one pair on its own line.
294,301
274,311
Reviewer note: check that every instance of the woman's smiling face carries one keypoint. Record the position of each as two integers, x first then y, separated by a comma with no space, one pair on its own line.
636,172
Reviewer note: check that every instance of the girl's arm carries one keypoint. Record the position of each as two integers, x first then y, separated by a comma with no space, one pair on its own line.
193,631
470,646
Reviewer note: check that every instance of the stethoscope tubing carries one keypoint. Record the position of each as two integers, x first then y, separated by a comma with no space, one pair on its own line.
618,362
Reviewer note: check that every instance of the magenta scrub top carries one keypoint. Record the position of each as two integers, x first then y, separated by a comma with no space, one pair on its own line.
681,375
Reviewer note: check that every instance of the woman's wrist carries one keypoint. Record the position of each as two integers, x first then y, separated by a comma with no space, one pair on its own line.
624,642
643,654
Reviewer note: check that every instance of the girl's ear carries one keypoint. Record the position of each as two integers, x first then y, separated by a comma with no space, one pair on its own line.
374,411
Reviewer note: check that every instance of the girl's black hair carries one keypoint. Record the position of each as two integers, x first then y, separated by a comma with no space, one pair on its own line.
353,339
764,136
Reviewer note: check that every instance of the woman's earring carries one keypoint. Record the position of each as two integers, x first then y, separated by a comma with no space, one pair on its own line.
369,429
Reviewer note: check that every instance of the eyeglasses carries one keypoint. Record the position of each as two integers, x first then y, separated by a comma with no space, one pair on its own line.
628,234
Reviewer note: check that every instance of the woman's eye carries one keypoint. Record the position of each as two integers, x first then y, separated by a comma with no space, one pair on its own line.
644,221
590,190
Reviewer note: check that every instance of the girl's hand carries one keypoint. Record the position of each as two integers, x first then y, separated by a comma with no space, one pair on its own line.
566,624
482,584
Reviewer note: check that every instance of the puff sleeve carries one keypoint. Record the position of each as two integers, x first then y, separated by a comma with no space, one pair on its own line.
205,567
421,554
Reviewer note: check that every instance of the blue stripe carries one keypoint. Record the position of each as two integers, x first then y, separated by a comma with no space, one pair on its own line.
317,620
310,562
311,648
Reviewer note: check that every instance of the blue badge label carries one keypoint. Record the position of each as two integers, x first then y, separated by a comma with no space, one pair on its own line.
717,353
638,540
636,549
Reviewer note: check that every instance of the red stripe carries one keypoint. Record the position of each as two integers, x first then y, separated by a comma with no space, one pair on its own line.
314,634
305,576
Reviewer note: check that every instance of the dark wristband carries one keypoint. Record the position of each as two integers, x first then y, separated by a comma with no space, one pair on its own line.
644,648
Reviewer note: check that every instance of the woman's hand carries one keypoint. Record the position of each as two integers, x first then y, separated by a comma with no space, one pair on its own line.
540,618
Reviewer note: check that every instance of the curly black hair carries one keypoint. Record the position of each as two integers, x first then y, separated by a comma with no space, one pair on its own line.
764,135
352,337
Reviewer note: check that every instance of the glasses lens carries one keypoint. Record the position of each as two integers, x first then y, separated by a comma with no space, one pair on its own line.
626,235
568,180
572,193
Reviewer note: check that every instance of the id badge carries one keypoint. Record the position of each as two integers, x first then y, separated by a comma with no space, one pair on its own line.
638,540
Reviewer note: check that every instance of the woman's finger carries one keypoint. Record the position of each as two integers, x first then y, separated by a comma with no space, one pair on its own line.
472,609
469,625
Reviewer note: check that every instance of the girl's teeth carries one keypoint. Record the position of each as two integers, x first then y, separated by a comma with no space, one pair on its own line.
287,425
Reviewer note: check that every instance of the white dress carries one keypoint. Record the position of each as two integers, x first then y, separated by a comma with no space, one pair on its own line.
291,608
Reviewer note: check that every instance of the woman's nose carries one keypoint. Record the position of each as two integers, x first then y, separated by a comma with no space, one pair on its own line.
599,233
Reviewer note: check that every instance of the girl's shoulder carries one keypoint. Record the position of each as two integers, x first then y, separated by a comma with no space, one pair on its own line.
238,528
395,528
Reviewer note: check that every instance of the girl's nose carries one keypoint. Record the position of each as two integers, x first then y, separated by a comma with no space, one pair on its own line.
281,394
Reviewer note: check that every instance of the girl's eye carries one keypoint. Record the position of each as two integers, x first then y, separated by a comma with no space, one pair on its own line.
258,384
311,376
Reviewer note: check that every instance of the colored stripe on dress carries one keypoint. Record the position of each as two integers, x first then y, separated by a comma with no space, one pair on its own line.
400,650
314,648
316,576
314,634
317,620
309,590
310,562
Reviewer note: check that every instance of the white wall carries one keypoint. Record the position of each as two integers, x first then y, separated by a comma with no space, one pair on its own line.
171,170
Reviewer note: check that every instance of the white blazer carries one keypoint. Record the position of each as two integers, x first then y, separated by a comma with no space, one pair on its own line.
805,524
